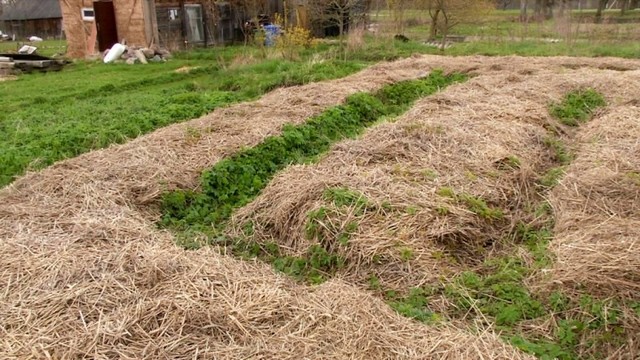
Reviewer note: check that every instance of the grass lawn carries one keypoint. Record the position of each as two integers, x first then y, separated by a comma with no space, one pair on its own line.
505,25
46,48
53,116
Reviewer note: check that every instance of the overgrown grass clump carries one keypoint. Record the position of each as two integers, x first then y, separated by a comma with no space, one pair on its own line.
577,106
235,181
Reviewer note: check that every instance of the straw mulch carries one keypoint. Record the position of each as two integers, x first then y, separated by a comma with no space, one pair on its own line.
85,272
598,206
462,139
146,300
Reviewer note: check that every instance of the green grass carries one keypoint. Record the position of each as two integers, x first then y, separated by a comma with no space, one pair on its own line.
559,151
495,294
577,106
384,47
575,109
54,116
475,204
320,261
45,48
414,305
345,197
498,33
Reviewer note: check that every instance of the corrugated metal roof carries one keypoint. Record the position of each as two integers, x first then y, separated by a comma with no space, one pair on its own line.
31,10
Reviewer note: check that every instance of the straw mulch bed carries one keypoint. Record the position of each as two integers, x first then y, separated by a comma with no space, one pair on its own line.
146,300
85,272
598,207
461,140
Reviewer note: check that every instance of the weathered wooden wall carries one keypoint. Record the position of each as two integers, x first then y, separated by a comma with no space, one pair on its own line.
44,28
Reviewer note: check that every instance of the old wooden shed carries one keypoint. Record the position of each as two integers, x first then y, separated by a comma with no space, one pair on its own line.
27,18
173,24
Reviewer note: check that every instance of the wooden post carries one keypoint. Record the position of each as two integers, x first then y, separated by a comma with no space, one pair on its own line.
151,22
183,16
205,24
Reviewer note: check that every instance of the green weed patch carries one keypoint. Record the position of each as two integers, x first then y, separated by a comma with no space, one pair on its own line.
496,291
577,106
321,260
475,204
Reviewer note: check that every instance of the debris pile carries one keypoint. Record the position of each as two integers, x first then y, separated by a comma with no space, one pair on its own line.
136,55
14,64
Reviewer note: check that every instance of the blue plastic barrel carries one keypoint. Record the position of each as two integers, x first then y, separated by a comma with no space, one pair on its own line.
271,33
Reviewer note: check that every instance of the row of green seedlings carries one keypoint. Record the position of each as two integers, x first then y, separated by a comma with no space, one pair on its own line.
235,181
584,327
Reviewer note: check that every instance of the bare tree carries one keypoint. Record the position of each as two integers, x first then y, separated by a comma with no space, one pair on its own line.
4,3
523,10
563,6
503,4
398,8
624,6
337,14
602,4
543,9
247,15
446,14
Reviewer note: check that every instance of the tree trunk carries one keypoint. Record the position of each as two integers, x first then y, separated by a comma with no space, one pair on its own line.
539,10
563,7
602,4
341,32
523,10
624,6
433,32
548,9
445,30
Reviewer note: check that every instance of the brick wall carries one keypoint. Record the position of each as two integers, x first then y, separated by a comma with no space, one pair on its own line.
130,22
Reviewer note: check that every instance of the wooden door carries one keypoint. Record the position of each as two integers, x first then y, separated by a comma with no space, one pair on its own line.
105,24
